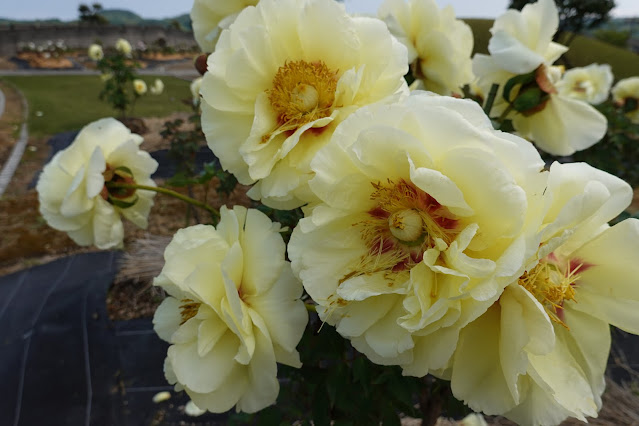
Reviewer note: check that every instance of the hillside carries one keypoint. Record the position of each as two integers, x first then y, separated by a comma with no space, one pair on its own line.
117,17
583,51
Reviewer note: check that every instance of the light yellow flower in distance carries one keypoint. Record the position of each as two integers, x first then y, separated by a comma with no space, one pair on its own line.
522,44
439,46
539,354
419,227
95,52
72,192
139,86
123,46
626,94
281,78
233,311
589,84
195,90
158,87
210,17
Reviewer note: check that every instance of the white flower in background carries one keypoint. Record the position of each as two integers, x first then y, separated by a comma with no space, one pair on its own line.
472,419
95,52
123,46
157,88
589,84
72,192
419,226
270,104
195,90
522,44
233,311
626,94
439,46
210,17
139,86
539,354
106,76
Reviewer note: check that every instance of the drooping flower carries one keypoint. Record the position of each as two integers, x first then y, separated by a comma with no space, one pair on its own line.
210,17
72,192
521,47
539,354
626,94
95,52
281,78
195,90
233,311
158,87
439,46
139,86
589,84
419,226
123,46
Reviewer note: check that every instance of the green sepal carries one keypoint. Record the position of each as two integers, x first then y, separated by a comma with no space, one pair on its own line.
124,172
528,99
522,79
123,204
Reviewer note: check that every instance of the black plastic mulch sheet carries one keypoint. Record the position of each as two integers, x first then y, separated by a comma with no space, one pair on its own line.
63,362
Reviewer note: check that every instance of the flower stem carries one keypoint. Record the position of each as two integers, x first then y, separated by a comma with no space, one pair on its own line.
491,98
310,307
213,211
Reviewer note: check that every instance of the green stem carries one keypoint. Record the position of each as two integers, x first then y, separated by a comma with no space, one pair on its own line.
491,98
504,114
310,307
214,212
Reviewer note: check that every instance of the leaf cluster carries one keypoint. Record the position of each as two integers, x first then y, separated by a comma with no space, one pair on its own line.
117,87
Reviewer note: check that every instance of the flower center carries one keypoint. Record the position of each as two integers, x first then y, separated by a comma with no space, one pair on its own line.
188,309
552,284
118,196
403,224
302,92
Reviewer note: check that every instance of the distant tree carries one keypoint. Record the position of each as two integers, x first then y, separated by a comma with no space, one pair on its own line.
575,15
91,14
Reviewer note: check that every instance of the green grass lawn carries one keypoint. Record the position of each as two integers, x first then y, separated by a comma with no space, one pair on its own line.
582,51
61,103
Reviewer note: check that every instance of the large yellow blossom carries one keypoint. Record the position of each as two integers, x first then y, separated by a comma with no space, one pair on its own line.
72,192
539,354
521,43
439,46
419,228
281,78
210,17
233,311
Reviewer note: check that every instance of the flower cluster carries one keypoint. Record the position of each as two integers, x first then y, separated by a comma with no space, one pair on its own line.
431,238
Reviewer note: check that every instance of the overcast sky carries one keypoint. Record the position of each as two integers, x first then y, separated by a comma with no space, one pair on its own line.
68,9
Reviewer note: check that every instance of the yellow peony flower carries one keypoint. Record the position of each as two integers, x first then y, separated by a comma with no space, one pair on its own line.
123,46
439,46
539,354
95,52
626,94
139,86
158,87
210,17
419,226
521,43
589,84
281,78
233,311
72,192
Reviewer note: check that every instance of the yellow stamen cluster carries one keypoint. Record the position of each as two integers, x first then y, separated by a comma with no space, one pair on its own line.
551,286
302,92
188,309
404,223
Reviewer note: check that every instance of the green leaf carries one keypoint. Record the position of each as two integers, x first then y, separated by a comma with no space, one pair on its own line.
522,80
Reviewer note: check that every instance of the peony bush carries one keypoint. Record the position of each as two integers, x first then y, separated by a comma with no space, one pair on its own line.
409,252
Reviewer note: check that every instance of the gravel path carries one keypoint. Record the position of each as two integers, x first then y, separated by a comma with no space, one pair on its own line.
9,168
2,102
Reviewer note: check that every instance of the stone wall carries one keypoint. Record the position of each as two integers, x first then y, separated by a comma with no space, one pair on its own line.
82,35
